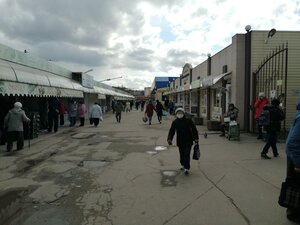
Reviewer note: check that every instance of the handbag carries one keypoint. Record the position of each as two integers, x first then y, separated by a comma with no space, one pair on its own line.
196,153
289,195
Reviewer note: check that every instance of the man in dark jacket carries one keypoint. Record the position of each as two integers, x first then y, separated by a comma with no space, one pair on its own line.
276,115
159,110
186,132
293,159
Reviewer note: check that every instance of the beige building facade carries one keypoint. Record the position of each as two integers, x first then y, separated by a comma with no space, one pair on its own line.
257,61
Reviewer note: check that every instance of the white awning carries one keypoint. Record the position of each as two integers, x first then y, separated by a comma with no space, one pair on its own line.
18,79
211,80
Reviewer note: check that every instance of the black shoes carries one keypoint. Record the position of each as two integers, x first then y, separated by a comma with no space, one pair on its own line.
186,172
276,155
222,135
264,156
259,137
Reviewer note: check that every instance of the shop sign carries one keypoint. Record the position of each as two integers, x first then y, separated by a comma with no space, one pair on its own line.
207,81
87,80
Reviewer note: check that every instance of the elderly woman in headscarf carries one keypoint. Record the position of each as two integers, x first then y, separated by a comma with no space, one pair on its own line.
14,123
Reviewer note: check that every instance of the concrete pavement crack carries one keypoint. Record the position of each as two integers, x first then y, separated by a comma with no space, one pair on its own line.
187,206
227,196
256,175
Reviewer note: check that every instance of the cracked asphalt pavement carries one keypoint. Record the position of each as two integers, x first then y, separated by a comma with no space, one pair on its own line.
122,174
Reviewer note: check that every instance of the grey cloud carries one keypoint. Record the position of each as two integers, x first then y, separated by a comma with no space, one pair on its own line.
70,53
86,23
200,12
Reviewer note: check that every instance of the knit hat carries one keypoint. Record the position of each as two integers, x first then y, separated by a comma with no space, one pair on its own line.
18,105
179,109
261,94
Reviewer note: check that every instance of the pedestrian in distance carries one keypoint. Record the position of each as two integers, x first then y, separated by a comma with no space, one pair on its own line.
149,111
258,107
276,115
73,107
96,114
81,113
14,123
293,160
62,113
127,106
159,110
171,107
186,133
53,113
119,109
142,105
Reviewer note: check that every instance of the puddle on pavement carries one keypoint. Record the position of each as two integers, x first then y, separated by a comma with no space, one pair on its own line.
168,178
10,206
152,152
161,148
29,164
93,163
83,135
157,149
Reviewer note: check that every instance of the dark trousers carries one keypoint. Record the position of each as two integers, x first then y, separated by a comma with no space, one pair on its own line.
52,120
118,116
185,152
12,136
159,117
72,121
223,127
61,120
271,142
259,129
96,121
81,121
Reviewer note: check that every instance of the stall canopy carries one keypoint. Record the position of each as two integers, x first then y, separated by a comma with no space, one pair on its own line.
16,79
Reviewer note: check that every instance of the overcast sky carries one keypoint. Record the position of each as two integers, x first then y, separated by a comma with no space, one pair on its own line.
135,39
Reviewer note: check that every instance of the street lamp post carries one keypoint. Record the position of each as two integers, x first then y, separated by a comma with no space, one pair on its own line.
109,79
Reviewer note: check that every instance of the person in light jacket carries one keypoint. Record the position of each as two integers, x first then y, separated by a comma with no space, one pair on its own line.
293,159
96,114
14,123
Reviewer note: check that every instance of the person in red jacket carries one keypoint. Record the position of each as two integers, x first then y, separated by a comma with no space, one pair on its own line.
149,111
259,106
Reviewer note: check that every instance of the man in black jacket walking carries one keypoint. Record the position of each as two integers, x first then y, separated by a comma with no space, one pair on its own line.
186,132
276,115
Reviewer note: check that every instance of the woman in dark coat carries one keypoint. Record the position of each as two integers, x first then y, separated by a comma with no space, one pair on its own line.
186,134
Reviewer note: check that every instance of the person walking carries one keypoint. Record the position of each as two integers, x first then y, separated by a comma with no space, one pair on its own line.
119,110
149,111
73,112
292,149
53,112
171,107
142,105
127,106
113,103
275,117
14,123
159,110
259,106
96,114
81,113
186,133
62,113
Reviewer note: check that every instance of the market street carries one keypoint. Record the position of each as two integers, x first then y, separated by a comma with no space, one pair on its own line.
125,174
